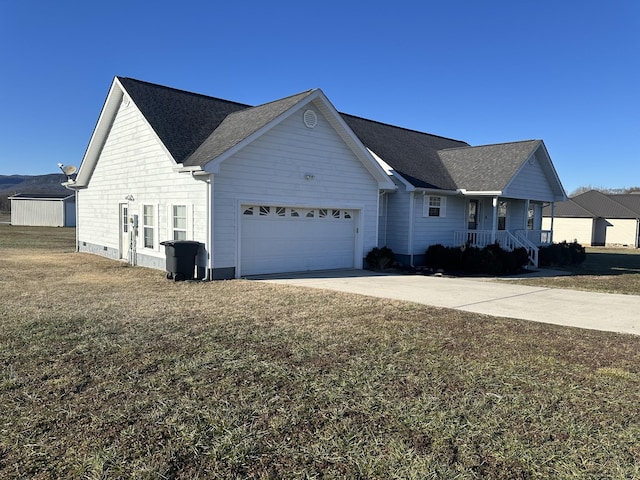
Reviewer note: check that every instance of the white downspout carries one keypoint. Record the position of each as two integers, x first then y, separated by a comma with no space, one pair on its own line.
209,247
77,229
411,221
494,224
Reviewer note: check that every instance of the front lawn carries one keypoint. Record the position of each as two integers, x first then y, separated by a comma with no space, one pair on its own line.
110,371
604,270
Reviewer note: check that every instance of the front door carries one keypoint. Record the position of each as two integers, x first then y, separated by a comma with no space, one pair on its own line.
124,230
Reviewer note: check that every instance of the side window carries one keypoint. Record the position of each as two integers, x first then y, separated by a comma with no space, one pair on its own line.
149,225
179,222
434,206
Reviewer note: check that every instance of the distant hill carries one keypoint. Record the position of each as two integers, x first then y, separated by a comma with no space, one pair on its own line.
12,184
51,183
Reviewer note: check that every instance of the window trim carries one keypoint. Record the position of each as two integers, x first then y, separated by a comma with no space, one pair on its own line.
153,227
442,207
170,230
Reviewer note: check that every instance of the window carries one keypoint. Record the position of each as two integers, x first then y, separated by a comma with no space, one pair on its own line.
148,225
125,219
531,214
179,215
434,206
502,215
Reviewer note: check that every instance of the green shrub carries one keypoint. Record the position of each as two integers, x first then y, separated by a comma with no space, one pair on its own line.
490,260
436,257
562,254
380,258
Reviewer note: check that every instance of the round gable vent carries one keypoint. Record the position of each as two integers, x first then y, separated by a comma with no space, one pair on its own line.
310,118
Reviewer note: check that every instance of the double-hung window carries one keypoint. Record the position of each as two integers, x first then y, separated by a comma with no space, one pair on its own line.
148,225
434,206
179,222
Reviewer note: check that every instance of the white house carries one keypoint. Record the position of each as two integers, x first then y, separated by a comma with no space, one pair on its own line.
43,209
293,185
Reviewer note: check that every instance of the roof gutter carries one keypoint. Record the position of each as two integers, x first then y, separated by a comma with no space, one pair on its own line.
437,191
195,171
480,193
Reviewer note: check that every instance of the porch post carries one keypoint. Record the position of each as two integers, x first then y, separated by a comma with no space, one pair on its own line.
553,211
494,226
527,205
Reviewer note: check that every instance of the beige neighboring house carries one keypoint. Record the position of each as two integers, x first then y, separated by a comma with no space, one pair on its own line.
596,219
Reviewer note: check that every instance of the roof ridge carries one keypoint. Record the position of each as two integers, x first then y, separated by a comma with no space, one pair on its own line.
621,204
491,144
188,92
402,128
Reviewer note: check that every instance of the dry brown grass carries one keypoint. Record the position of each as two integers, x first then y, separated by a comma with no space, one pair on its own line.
110,371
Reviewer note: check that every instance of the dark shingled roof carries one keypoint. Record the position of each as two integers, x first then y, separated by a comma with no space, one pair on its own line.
487,167
629,200
53,196
595,204
568,208
240,125
197,128
412,154
182,120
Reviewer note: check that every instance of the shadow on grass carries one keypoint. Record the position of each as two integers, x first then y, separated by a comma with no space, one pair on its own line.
609,263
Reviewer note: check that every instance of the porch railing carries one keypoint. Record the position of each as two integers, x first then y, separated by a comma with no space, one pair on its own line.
537,237
508,241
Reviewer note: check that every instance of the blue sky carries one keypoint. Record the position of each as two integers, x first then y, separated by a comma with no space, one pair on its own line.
567,72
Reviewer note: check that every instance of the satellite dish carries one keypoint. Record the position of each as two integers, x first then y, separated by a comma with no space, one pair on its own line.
68,170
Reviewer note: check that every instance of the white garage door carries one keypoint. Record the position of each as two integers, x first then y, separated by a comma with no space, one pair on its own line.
284,239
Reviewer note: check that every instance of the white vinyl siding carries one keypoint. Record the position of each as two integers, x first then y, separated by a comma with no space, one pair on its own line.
133,147
292,165
531,182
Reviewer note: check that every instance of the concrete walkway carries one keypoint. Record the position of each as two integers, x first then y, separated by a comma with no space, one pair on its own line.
598,311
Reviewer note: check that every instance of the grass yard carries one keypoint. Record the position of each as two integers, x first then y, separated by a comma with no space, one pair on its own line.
605,270
109,371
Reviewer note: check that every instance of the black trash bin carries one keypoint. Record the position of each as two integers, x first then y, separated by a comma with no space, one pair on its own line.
181,258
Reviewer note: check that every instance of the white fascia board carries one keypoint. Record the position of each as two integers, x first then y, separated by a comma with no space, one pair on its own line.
353,142
549,170
334,118
388,169
100,133
563,194
480,193
437,191
214,165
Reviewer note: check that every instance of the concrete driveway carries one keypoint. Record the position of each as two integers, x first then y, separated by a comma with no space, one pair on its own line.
598,311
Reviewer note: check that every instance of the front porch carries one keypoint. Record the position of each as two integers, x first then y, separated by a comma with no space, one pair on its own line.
530,240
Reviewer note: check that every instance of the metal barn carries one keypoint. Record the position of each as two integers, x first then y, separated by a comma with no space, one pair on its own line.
43,209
